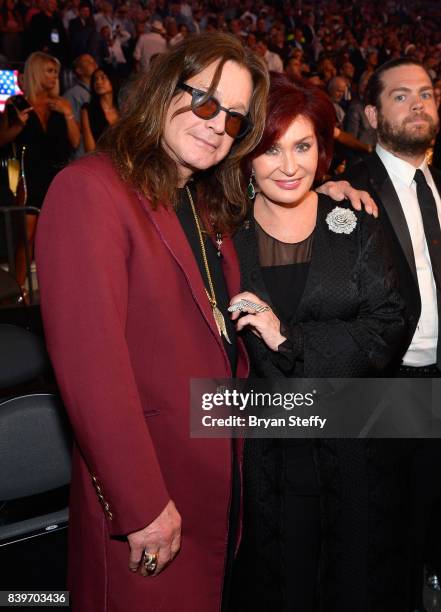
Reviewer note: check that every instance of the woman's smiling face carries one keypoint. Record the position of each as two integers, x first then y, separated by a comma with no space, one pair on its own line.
285,173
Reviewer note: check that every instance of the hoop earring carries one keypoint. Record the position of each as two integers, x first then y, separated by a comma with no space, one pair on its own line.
251,191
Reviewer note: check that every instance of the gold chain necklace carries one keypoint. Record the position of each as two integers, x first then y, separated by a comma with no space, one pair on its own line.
218,316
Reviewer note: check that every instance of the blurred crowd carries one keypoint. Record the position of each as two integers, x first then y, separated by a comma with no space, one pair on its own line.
336,44
319,38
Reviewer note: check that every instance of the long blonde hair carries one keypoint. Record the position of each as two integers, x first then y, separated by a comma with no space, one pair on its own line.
134,143
33,74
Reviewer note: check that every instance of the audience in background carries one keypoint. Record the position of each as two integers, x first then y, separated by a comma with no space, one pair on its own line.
111,51
272,60
47,33
79,94
334,44
149,44
102,110
11,28
83,35
43,123
337,88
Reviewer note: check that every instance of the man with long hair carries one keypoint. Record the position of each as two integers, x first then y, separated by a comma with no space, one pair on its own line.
131,313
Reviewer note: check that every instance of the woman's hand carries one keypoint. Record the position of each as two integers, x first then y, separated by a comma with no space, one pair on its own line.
22,115
61,105
10,131
263,324
339,190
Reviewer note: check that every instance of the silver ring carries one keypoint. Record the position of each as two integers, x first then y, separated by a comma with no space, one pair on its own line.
242,305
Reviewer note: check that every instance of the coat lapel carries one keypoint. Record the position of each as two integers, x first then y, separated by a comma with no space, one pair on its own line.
387,195
230,266
170,230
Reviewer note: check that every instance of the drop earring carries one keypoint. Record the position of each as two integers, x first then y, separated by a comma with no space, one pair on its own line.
251,191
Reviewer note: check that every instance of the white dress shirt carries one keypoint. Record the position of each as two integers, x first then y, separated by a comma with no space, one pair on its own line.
148,45
104,20
422,350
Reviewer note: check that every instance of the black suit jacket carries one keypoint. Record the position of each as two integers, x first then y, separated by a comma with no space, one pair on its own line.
371,175
83,38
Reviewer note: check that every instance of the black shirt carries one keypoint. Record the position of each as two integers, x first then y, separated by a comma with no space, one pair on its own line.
186,218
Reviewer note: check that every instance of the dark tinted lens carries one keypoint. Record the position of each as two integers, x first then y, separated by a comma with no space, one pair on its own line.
233,125
237,125
205,109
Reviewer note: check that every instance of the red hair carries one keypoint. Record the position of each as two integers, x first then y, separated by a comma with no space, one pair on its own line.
286,102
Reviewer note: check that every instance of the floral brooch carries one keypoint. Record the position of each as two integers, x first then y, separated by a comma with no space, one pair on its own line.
341,220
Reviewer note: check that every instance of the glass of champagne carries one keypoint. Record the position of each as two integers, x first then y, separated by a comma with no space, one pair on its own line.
13,174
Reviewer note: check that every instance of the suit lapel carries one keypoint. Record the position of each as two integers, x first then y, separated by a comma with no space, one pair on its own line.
170,230
387,195
230,266
436,175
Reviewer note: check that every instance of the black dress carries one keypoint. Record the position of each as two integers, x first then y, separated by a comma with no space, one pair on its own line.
284,270
324,521
97,119
47,152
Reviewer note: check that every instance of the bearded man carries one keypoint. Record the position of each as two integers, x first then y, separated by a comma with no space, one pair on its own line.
400,106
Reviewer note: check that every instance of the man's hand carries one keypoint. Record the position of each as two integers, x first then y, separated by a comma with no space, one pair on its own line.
162,536
339,190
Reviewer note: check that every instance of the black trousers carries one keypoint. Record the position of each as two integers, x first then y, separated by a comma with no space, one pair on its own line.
425,492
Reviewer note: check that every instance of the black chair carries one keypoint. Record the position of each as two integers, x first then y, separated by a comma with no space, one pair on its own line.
35,459
10,290
35,452
23,357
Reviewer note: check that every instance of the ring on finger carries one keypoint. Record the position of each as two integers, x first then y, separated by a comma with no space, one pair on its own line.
243,304
150,561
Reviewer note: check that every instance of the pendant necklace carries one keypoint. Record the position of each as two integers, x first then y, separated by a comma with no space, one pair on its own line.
217,314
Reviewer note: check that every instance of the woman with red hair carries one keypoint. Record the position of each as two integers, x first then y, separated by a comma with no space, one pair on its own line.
318,300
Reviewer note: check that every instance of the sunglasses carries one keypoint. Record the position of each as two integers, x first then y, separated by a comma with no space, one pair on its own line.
206,107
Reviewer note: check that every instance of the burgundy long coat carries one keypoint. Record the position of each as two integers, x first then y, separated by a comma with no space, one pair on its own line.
128,324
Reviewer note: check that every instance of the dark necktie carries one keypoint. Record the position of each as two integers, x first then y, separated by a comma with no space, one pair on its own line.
432,228
432,232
